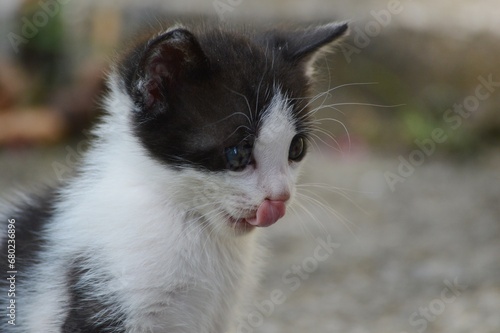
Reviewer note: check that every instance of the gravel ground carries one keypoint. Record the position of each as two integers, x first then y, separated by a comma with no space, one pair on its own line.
424,258
399,253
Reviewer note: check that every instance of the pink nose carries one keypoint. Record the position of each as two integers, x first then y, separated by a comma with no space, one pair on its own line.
283,196
268,213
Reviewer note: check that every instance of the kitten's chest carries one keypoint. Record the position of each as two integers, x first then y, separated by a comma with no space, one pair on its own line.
190,302
191,286
161,271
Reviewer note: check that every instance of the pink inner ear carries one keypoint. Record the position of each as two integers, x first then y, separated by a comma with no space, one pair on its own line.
157,74
152,92
269,212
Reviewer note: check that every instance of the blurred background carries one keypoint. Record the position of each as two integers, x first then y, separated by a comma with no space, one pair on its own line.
405,180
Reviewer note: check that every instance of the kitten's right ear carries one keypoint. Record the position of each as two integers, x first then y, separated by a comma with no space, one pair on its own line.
302,46
164,63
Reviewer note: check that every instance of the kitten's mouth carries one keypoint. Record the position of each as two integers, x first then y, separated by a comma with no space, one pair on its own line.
268,213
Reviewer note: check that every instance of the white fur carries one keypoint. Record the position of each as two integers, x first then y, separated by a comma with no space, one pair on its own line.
175,264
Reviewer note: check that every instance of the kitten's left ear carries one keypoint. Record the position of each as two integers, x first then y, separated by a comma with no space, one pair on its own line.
303,45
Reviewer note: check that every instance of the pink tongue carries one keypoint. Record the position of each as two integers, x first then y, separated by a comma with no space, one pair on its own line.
268,213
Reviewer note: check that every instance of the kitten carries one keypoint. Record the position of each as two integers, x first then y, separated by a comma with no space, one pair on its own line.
158,231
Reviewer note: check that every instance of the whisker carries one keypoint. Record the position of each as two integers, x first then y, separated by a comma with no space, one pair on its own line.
250,119
330,90
336,190
345,221
366,104
313,218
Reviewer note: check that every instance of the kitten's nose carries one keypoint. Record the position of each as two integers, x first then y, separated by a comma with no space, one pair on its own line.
282,196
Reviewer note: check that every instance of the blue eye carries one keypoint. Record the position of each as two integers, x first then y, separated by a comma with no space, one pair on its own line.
238,157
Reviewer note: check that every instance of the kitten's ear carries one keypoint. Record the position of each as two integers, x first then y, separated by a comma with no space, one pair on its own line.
166,61
303,45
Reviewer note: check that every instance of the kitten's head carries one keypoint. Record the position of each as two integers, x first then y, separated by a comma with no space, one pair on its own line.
227,114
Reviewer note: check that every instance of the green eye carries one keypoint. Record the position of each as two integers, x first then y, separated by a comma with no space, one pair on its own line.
238,157
297,149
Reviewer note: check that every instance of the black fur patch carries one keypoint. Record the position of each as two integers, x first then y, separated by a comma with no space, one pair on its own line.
27,243
30,221
87,313
31,218
197,93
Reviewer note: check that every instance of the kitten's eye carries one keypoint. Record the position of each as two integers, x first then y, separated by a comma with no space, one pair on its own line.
238,157
297,148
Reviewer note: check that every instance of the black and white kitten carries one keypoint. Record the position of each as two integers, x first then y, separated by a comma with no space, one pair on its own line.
157,233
